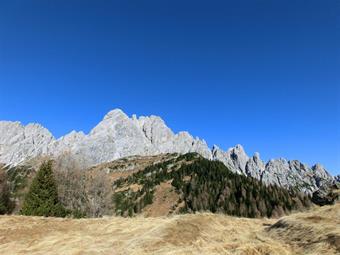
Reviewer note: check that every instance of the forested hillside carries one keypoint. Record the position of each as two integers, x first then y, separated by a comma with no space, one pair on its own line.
163,185
204,185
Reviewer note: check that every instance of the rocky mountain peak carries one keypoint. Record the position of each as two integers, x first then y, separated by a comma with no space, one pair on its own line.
118,136
19,142
239,148
115,114
255,166
320,171
239,157
322,177
319,168
256,156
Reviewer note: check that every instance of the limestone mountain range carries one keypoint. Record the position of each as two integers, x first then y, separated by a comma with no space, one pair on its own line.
118,136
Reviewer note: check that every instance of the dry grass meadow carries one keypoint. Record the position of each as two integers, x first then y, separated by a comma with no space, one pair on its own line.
314,232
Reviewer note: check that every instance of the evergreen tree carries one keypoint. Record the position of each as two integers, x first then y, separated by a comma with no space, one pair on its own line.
42,198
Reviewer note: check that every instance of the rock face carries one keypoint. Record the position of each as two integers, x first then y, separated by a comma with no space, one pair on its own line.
17,142
327,194
235,158
118,136
255,167
322,177
290,174
337,178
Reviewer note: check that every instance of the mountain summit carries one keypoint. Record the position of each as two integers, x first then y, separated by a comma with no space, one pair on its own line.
119,135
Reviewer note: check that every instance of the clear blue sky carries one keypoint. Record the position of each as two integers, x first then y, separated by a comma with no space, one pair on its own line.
265,74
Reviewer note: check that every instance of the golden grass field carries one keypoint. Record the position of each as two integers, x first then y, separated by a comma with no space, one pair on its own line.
314,232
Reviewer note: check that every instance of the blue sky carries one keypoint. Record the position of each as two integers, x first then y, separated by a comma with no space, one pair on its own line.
264,74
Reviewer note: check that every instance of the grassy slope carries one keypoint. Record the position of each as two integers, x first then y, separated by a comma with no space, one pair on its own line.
314,232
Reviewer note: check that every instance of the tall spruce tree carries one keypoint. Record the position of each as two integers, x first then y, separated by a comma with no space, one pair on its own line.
42,198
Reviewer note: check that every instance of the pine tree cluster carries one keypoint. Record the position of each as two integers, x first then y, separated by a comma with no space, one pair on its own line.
213,187
206,185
